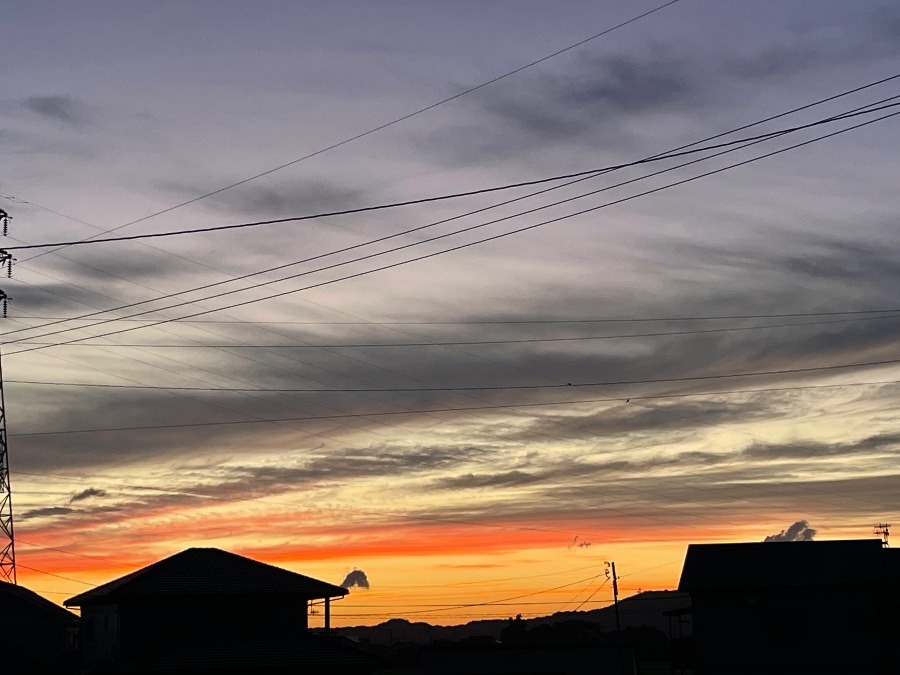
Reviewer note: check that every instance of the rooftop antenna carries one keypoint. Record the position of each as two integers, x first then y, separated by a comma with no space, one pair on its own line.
883,529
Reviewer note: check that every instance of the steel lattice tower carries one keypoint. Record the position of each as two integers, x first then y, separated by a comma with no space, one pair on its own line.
7,533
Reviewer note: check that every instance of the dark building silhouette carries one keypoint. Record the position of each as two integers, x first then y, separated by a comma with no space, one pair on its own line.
470,657
801,607
208,610
36,636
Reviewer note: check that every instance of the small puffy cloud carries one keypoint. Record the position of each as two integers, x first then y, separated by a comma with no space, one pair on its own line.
355,578
799,531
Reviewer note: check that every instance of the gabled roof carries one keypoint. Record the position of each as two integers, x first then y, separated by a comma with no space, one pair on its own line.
208,571
780,564
24,606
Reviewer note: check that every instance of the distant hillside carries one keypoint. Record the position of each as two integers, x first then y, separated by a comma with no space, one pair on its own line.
643,609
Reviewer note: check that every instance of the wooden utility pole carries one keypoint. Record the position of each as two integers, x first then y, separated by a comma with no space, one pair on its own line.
611,566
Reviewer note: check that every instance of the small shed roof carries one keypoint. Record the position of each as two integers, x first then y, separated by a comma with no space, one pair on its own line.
781,564
208,571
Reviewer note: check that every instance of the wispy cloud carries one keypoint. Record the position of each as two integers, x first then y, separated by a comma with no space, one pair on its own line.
60,108
88,493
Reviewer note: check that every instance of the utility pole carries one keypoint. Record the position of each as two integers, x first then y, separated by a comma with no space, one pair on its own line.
7,532
615,581
883,529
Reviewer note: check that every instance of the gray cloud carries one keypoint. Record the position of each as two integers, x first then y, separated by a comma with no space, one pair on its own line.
846,261
54,298
60,108
71,408
799,531
88,493
468,481
598,91
596,99
778,61
355,578
642,417
135,267
696,497
45,512
601,99
877,444
228,483
275,198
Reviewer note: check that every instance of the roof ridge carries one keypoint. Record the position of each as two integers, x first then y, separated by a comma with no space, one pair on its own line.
210,570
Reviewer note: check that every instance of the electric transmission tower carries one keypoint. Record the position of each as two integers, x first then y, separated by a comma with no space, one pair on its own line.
7,533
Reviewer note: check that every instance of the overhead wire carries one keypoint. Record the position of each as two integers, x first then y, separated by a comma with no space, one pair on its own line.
591,596
444,520
455,409
451,98
645,516
395,121
589,173
858,110
460,246
487,322
881,316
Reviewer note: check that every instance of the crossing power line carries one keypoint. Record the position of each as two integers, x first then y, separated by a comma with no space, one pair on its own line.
525,387
458,195
390,123
458,247
476,211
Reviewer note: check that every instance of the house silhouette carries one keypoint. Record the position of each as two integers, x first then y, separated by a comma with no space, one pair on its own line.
793,607
36,636
209,610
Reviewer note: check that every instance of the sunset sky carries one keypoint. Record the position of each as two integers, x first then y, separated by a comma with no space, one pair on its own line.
477,418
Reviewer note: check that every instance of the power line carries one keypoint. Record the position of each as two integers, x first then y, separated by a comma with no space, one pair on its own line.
445,197
389,124
451,409
419,228
421,518
588,599
458,343
342,509
51,574
460,246
413,517
80,555
509,599
494,322
505,387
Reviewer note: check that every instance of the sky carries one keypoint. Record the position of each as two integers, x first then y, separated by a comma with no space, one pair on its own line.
479,401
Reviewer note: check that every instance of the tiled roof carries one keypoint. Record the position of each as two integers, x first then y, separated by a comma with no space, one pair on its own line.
208,571
780,564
